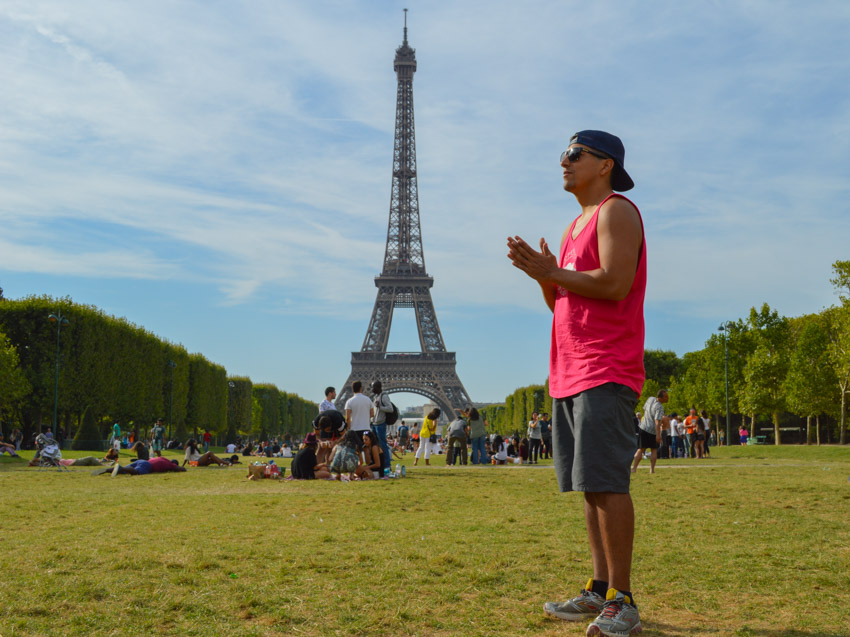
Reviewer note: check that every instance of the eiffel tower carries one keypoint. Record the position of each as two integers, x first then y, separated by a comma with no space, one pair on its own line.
404,282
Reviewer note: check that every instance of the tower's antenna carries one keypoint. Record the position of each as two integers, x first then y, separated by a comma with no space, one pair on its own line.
405,26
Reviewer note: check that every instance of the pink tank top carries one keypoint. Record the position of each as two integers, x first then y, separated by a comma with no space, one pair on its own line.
596,341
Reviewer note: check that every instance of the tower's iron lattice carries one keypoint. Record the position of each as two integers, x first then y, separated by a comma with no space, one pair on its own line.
404,282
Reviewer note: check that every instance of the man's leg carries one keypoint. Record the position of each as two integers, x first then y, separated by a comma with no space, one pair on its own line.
653,457
381,433
638,458
610,520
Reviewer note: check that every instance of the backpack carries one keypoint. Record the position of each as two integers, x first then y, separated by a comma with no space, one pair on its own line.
392,416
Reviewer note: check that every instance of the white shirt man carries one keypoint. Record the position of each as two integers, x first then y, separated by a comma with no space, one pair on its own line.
358,409
327,403
231,448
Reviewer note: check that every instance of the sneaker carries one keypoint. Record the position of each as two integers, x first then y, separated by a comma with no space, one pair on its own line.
588,604
619,617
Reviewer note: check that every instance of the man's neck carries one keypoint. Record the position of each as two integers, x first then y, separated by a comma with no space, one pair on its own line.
590,197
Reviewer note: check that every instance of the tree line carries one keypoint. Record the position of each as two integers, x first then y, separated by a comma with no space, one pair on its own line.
780,370
110,369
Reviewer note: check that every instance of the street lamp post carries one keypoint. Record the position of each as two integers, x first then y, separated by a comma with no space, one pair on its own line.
172,365
60,321
725,329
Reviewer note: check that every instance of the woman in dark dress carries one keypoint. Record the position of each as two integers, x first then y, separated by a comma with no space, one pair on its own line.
305,466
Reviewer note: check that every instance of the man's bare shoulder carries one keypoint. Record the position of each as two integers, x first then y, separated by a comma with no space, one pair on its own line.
620,215
617,207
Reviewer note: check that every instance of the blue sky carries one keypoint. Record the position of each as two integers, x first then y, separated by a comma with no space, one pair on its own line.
219,172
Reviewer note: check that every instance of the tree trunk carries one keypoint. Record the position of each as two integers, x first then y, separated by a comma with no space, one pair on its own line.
777,440
817,429
841,436
808,430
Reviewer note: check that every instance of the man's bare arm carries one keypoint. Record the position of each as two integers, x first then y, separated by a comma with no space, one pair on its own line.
620,237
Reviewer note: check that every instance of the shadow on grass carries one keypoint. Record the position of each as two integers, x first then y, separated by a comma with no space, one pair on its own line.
744,631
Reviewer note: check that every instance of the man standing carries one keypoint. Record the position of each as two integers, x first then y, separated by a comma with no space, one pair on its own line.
675,440
381,406
358,409
595,288
649,431
546,432
157,437
207,440
691,433
116,436
328,402
535,438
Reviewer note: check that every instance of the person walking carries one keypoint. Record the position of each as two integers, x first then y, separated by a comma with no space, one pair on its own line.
595,288
116,436
427,437
650,428
157,437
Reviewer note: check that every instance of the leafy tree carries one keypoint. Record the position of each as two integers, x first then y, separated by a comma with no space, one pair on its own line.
810,384
88,434
767,365
838,322
13,383
266,412
661,365
841,279
239,406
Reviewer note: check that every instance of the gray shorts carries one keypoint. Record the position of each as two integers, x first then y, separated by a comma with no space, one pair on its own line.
593,439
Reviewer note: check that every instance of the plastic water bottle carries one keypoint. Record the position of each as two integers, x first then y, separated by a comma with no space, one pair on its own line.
398,470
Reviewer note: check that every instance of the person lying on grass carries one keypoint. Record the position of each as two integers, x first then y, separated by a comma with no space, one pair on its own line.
142,467
111,455
86,461
203,460
305,465
373,454
346,458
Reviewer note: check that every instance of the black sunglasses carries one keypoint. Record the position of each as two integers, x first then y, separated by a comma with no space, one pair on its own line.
573,154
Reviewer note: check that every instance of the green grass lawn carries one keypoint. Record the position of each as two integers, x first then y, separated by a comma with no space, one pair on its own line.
755,541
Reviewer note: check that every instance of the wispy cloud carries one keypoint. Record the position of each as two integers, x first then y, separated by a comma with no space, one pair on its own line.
250,145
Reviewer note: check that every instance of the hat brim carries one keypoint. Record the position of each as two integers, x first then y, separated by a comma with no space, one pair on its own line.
620,180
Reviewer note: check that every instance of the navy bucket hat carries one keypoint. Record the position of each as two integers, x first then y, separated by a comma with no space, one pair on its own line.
611,146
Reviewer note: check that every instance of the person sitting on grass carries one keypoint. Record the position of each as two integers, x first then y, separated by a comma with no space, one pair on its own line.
203,460
111,455
305,466
524,451
500,451
142,467
346,458
373,454
5,447
141,450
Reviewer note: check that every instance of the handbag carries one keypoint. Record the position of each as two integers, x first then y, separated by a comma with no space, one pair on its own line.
432,439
